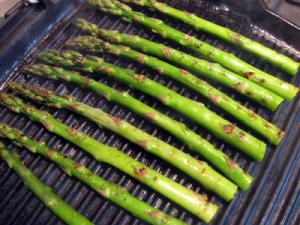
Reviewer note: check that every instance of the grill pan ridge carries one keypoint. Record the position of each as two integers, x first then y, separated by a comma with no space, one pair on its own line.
273,198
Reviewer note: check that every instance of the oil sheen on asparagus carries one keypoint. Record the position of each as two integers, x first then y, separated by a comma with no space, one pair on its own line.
106,189
194,141
195,203
228,60
222,128
285,63
201,172
65,212
242,113
211,70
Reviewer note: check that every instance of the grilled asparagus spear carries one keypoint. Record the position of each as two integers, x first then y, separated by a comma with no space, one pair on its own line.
228,60
201,172
192,109
106,189
195,142
285,63
195,203
65,212
247,116
210,70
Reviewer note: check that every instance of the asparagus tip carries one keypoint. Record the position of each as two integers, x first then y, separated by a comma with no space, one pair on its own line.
85,43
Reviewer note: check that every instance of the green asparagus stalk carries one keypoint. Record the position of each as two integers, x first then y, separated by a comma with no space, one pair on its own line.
201,172
192,109
285,63
210,70
228,60
65,212
195,203
247,116
106,189
195,142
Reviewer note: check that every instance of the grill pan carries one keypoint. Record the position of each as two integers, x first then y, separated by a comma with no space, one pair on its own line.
273,198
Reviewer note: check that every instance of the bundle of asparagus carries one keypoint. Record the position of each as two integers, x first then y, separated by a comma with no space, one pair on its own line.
245,115
230,61
195,142
285,63
195,203
200,171
106,189
192,109
42,191
211,70
249,81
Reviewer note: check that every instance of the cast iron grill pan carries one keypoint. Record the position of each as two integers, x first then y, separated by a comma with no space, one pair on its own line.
272,199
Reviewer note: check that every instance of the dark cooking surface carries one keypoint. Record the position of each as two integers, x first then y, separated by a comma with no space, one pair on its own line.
272,199
287,9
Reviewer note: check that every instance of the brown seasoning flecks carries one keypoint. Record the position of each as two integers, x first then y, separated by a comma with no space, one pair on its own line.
106,69
78,59
102,191
188,13
167,52
76,165
141,58
41,91
140,171
150,115
241,135
228,129
76,107
202,198
235,37
198,45
262,80
73,131
104,95
142,143
139,77
267,125
124,48
215,98
238,86
114,51
86,80
49,153
209,53
164,99
48,125
252,114
280,134
249,75
200,161
117,120
161,70
231,164
183,72
105,44
153,214
187,38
